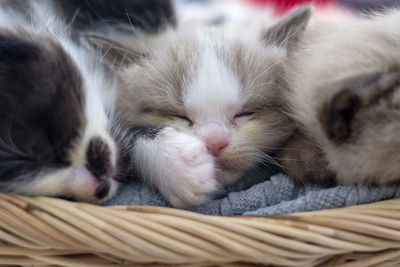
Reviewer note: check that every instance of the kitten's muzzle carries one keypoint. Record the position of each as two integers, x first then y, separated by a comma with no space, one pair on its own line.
215,147
215,136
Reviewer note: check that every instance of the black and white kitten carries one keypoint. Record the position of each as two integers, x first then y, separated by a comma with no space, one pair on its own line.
56,104
58,134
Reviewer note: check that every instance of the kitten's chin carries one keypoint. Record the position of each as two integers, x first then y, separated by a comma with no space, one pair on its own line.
232,165
225,165
228,177
226,173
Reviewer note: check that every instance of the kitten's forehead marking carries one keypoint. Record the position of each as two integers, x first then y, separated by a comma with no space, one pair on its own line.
214,89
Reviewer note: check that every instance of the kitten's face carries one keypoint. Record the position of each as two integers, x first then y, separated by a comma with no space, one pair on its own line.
224,92
50,141
219,86
350,99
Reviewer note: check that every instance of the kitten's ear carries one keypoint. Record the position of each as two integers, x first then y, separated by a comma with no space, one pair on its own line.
338,114
287,31
113,53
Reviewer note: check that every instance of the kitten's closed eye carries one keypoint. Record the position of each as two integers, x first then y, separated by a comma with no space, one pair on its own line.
180,117
244,114
191,123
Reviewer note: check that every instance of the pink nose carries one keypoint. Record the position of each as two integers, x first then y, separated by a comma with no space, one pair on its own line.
216,147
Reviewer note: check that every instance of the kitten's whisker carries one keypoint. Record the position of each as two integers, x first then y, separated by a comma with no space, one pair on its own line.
74,17
105,54
276,148
136,33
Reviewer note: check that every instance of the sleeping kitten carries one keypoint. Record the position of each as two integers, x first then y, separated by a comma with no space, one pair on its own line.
55,105
217,92
59,136
345,96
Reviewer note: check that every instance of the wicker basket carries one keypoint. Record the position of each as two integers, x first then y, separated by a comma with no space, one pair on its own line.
53,232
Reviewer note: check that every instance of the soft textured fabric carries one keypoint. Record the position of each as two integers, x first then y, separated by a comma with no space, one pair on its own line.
257,194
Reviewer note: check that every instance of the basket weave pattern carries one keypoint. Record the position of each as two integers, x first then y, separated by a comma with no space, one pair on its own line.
54,232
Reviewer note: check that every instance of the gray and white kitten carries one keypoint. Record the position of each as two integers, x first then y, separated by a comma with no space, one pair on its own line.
217,91
346,98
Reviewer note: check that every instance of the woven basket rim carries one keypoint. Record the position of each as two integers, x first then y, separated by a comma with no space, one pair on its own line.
48,231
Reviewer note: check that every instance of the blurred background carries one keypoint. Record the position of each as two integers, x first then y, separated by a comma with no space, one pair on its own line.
282,6
151,15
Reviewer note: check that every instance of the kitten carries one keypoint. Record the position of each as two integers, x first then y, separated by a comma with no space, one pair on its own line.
216,90
345,96
55,105
59,135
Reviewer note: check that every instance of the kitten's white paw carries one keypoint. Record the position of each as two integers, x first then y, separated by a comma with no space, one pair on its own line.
181,168
190,169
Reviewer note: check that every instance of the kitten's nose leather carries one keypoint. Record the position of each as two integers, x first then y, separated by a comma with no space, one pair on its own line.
216,147
215,136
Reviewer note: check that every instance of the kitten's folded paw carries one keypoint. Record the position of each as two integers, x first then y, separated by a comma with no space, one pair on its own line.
189,169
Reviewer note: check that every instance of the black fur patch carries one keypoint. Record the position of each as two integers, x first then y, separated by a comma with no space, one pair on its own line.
98,157
15,51
337,116
102,190
41,107
148,15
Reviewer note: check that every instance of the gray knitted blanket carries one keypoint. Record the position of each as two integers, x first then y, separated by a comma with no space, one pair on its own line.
260,194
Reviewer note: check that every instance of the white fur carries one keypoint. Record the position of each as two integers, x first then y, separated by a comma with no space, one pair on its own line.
213,78
99,102
179,165
75,181
213,115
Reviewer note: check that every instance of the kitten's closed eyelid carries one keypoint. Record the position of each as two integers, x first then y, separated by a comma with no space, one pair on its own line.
243,114
183,118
